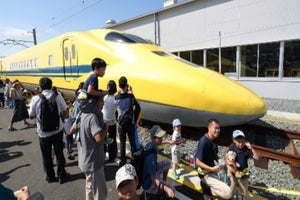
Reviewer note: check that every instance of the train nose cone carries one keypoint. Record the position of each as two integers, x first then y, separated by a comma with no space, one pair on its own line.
232,98
256,104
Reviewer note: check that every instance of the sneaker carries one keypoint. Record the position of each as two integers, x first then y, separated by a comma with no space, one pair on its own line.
117,160
52,179
10,129
64,179
175,175
108,141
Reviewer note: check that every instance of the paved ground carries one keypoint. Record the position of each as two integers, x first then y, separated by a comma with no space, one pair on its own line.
21,164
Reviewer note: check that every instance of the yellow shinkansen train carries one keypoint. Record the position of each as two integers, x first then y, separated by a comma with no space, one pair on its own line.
166,86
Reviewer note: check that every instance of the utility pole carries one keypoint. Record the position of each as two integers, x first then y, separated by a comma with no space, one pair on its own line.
34,36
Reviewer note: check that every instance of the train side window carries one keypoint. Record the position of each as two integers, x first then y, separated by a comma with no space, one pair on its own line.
138,39
35,62
66,53
50,60
125,38
73,51
118,37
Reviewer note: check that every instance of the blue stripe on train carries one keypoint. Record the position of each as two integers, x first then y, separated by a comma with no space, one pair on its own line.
59,70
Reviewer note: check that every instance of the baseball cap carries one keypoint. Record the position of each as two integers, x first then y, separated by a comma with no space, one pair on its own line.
126,172
176,122
237,133
156,131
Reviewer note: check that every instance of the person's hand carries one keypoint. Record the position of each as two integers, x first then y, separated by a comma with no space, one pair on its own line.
169,192
130,89
22,194
106,126
216,169
248,145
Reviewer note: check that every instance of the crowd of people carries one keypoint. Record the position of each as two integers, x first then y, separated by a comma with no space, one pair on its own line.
96,116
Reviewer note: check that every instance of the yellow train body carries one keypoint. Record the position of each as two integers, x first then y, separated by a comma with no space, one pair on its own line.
166,86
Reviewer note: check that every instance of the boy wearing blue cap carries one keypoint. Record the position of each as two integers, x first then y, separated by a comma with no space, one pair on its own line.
243,150
176,146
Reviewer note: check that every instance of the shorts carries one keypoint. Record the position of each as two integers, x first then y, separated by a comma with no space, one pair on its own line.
175,156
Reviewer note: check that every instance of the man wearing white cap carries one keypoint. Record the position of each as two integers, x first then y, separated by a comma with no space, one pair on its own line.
152,181
244,151
126,182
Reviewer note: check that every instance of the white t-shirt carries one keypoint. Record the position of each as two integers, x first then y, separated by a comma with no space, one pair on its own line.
176,136
109,110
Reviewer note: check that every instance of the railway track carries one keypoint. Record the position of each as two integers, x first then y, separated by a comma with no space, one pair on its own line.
281,146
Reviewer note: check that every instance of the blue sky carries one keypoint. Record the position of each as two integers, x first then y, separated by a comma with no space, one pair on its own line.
55,17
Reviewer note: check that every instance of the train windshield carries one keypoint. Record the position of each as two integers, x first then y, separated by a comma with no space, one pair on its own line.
125,38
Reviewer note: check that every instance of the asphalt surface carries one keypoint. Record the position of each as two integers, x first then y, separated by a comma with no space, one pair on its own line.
21,164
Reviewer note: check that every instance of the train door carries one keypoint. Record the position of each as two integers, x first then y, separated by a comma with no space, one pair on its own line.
70,59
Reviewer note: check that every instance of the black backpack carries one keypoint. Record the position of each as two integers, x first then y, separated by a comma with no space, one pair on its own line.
138,160
126,117
49,113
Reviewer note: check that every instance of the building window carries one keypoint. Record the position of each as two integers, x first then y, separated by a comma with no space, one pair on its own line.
264,65
249,61
197,57
228,60
291,64
185,55
268,60
212,59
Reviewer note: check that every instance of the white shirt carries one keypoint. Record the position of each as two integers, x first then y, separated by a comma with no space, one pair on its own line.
109,109
35,110
176,136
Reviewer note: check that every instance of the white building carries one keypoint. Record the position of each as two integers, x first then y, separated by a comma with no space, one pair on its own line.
259,39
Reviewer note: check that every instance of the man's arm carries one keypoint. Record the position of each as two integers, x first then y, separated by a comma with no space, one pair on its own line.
255,154
32,110
102,134
65,114
167,189
202,165
137,109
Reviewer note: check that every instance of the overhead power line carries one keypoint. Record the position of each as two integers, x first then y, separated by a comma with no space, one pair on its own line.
72,15
15,42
